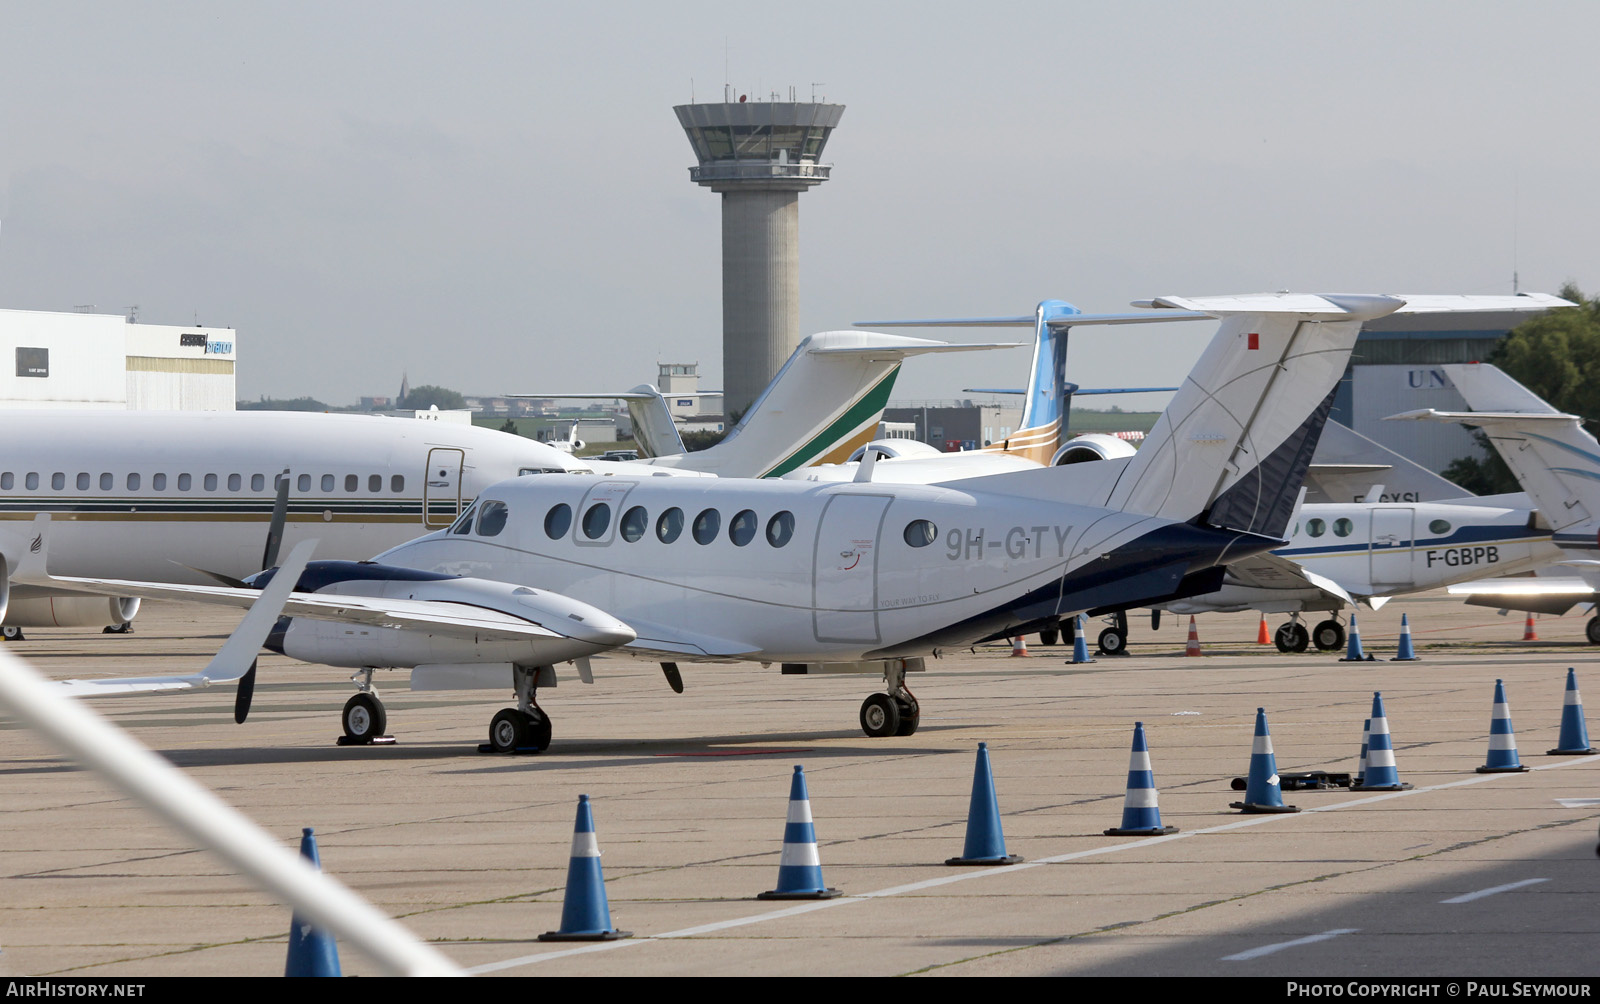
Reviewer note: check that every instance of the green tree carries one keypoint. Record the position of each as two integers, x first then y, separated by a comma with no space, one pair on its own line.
282,404
510,426
428,396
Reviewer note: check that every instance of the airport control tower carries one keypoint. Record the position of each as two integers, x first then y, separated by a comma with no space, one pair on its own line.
760,156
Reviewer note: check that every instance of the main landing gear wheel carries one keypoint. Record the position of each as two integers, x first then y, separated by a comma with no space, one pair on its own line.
880,716
364,718
1113,642
1292,637
910,716
514,731
1049,636
1592,630
11,633
1328,636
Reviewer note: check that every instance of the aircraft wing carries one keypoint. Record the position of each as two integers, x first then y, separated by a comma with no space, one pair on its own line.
659,641
1269,571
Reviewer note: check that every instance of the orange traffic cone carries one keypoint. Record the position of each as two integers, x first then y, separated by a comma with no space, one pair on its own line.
1193,648
1019,647
1528,633
1262,637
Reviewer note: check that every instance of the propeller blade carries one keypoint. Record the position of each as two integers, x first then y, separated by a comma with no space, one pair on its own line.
674,679
226,580
246,693
280,515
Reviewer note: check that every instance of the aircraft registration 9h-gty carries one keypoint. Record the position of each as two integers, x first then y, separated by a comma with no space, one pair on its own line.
859,575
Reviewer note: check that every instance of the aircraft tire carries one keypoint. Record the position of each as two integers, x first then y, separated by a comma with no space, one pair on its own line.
1291,637
880,716
1328,636
1112,642
1049,636
1592,630
364,718
10,633
508,731
910,716
538,729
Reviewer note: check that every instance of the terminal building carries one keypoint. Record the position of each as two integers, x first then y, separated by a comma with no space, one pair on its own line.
83,360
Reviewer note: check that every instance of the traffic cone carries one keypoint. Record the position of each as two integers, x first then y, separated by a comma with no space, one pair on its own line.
1502,737
1404,654
1361,764
1528,633
799,869
1262,792
1141,817
1193,647
1080,644
1262,636
1380,773
585,914
1354,652
1019,647
312,951
985,845
1574,733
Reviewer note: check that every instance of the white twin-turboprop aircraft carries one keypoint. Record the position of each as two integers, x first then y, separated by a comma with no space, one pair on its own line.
854,576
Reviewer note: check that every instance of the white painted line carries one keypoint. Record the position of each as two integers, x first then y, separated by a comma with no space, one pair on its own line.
1256,953
966,876
1481,893
1577,803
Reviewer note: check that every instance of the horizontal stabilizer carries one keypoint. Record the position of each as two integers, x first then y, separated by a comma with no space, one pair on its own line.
1028,321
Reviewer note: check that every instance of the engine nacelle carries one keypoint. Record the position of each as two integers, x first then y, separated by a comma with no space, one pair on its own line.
70,611
1092,446
896,449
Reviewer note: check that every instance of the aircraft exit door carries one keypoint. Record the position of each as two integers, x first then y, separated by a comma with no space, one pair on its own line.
441,493
1391,546
844,584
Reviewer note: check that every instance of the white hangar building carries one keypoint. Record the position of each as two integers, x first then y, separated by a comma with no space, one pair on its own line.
75,360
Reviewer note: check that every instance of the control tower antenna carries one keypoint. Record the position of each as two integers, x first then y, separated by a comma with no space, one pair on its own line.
759,156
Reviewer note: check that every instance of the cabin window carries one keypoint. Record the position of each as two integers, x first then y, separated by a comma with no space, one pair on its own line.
492,518
211,482
1342,527
669,525
1316,527
596,521
258,482
633,523
397,484
58,481
8,481
1439,527
185,482
305,482
32,481
558,521
780,528
83,481
352,482
158,482
133,482
920,533
374,483
706,526
327,482
235,482
742,528
107,482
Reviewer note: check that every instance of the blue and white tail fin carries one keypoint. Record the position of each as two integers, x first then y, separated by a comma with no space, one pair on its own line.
1554,458
1232,448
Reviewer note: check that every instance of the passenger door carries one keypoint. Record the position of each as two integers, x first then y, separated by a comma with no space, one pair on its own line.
441,492
844,584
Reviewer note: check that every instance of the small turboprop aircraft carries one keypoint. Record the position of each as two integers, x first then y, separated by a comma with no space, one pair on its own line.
858,576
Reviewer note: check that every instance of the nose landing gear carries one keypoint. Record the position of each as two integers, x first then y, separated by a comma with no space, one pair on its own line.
365,719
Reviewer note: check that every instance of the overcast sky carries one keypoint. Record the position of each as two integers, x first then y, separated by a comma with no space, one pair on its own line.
494,197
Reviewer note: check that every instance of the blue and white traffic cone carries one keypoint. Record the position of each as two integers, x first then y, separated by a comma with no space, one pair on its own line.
1361,765
585,914
1380,773
1405,654
1354,652
1080,644
1574,733
1262,792
799,869
1503,757
985,845
1141,817
312,951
